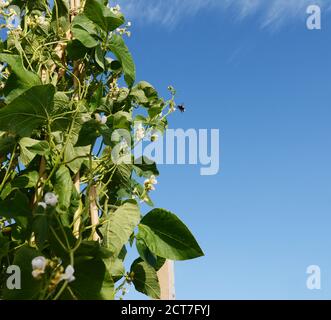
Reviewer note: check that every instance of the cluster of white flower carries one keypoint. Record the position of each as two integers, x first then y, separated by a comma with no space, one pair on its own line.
114,91
101,119
50,199
37,21
149,183
115,9
39,265
140,132
125,30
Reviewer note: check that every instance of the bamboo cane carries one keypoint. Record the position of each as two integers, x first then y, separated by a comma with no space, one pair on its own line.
94,212
166,277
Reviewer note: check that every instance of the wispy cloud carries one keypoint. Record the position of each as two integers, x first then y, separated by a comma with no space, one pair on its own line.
271,13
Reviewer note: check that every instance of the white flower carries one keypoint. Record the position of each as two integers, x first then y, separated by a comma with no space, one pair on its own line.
68,274
140,132
115,9
38,266
39,263
41,20
104,120
100,119
153,180
42,204
149,183
51,199
129,24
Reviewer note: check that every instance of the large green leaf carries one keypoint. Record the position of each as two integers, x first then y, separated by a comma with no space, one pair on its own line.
102,16
28,111
84,30
120,225
16,207
84,37
60,15
30,148
63,188
145,279
167,236
20,80
30,287
27,179
7,143
90,275
144,167
75,156
121,51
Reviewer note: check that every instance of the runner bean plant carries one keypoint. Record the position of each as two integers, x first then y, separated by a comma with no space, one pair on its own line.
71,203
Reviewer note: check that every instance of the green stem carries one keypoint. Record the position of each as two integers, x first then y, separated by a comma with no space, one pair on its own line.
8,171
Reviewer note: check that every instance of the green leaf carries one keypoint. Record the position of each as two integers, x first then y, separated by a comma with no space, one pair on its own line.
102,16
20,80
88,133
144,167
30,148
145,253
84,37
30,287
108,288
40,227
143,93
100,57
92,249
145,279
167,236
28,111
90,275
26,180
84,30
120,226
7,144
121,51
63,187
75,156
16,207
76,50
60,16
120,120
96,99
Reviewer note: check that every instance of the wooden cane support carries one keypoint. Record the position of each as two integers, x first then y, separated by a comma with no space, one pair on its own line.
166,277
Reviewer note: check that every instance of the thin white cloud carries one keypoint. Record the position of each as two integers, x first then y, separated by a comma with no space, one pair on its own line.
271,13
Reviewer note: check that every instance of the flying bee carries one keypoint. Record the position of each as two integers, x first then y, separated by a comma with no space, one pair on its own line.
181,108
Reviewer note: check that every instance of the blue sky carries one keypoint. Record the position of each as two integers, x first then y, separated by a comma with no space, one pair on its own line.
252,70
